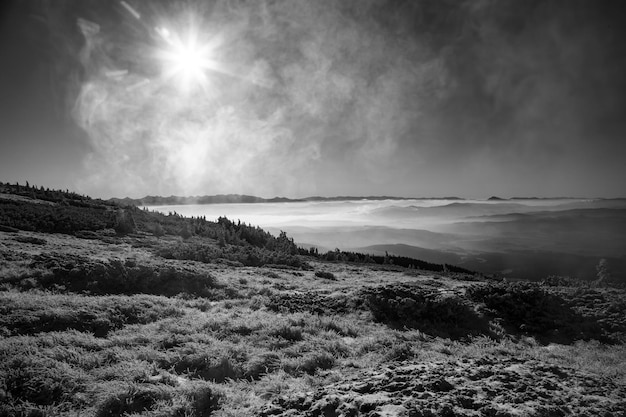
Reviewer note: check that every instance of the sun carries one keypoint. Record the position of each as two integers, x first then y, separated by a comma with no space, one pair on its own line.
186,59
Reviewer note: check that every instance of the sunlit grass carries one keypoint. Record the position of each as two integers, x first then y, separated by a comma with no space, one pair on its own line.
251,336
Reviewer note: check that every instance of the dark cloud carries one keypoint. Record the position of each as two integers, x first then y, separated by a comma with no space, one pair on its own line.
528,71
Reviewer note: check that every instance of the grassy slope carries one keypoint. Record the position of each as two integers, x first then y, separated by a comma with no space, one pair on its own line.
107,326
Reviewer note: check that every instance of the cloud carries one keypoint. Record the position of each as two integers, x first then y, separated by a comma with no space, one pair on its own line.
311,93
300,81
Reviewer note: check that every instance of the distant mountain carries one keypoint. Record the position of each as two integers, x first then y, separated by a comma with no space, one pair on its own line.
375,198
456,210
239,199
212,199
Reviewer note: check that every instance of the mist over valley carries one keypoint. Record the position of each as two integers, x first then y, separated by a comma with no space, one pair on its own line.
518,239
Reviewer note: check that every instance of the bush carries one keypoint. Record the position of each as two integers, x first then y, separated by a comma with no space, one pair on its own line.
135,399
30,314
400,352
124,223
309,363
53,219
201,400
30,239
409,306
243,255
291,333
209,368
316,360
41,381
184,232
532,309
157,230
261,365
195,398
325,275
85,275
561,281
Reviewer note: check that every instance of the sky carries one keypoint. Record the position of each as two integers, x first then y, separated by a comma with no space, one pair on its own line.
414,98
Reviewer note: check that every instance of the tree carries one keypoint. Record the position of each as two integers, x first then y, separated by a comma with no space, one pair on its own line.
221,239
124,223
158,230
184,232
603,273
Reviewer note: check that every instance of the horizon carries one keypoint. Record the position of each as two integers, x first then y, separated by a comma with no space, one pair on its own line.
310,198
314,98
396,197
304,198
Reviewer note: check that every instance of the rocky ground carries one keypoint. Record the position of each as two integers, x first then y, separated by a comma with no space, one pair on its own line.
487,386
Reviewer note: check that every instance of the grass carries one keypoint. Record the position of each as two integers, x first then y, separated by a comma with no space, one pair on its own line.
55,354
113,329
35,312
201,362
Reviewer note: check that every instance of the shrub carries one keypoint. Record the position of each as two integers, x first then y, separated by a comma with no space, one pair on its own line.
409,306
30,239
400,352
53,219
325,275
338,325
84,275
239,255
291,333
36,313
157,230
309,363
561,281
208,368
135,398
41,381
317,360
184,232
201,400
124,223
262,364
532,309
86,234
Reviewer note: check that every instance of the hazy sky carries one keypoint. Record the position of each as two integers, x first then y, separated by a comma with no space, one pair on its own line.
315,97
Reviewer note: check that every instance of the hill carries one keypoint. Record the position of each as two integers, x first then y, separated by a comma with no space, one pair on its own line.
112,310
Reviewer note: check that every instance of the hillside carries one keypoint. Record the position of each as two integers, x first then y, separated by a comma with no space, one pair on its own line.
111,310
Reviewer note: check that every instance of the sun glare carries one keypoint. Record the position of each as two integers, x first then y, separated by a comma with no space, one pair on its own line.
186,60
